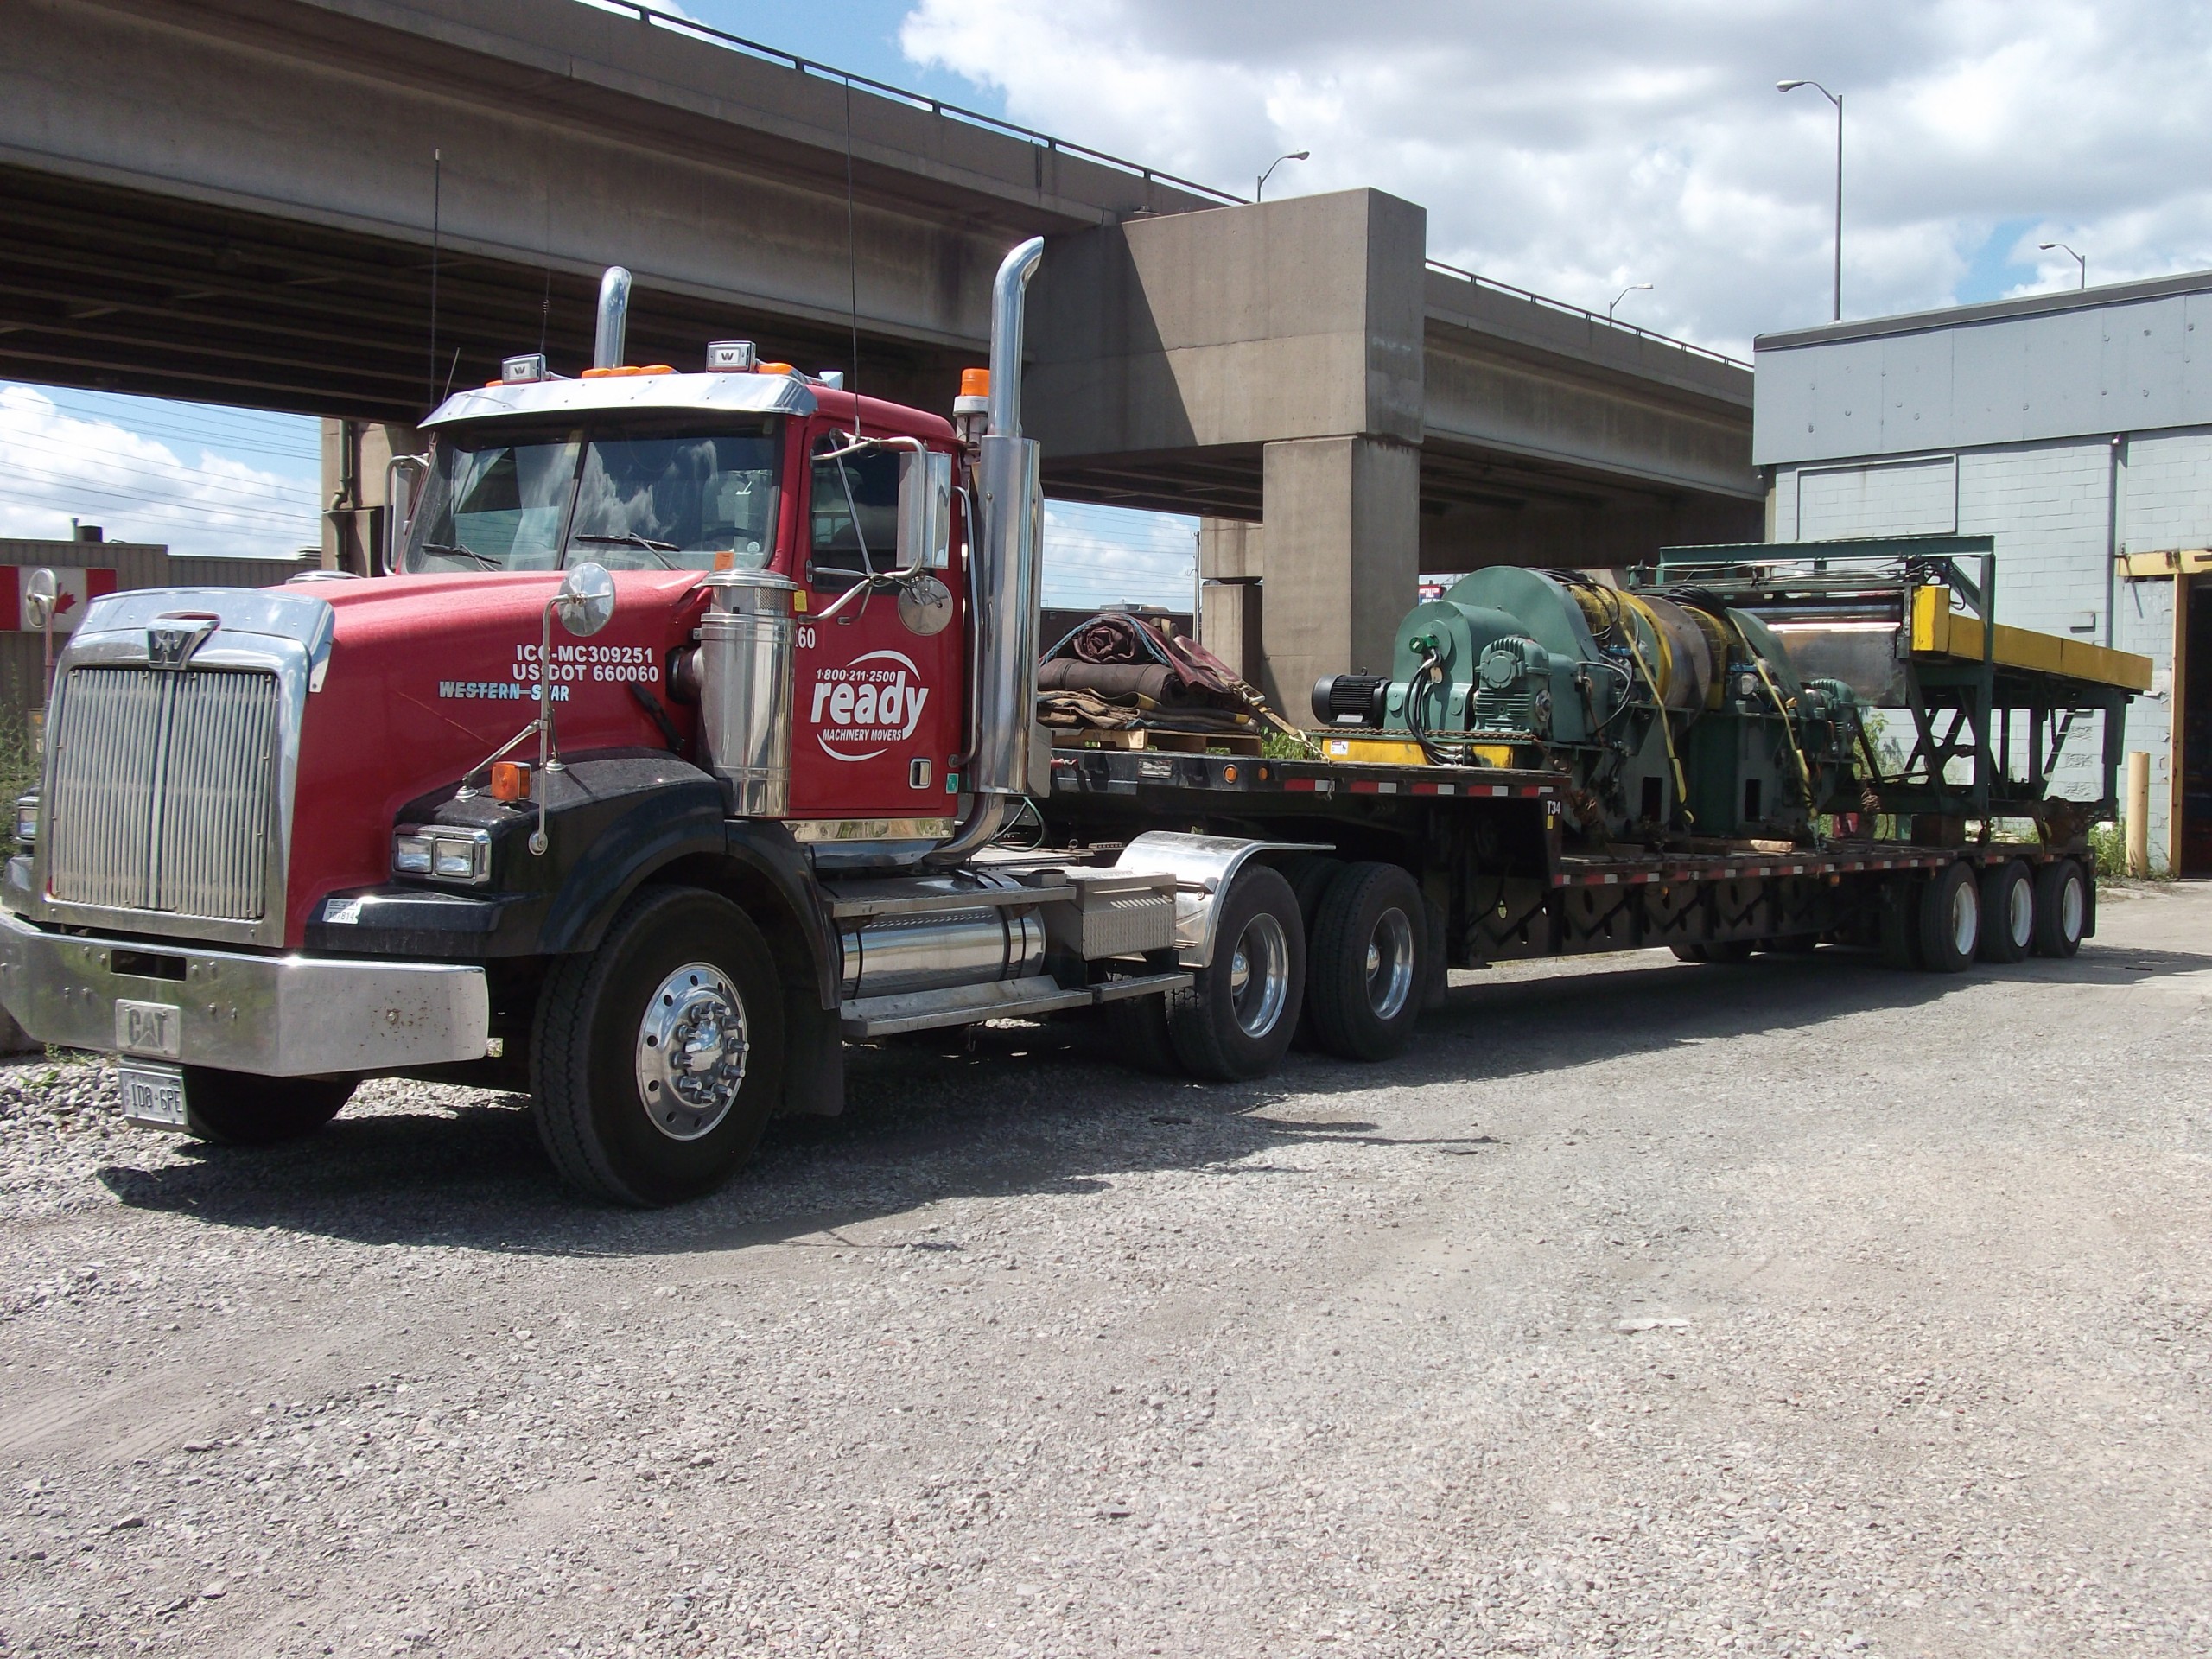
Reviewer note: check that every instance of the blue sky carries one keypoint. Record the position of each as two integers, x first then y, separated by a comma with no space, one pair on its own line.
1576,150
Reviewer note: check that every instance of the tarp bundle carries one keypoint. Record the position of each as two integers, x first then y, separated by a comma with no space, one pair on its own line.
1116,672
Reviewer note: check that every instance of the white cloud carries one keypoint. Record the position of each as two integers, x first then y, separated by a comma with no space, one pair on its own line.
1575,147
54,465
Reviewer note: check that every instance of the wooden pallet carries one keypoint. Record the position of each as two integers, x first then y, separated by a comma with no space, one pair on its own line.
1170,742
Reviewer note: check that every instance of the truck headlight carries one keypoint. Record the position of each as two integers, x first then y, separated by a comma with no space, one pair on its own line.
443,854
27,818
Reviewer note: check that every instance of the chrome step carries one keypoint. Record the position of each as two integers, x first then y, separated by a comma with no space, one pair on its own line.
1000,999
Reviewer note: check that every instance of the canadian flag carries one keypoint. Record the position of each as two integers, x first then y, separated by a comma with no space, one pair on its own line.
76,588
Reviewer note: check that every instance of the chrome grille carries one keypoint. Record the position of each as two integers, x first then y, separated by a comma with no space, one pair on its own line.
159,791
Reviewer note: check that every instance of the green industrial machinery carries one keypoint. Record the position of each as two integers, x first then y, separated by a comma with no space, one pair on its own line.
1672,714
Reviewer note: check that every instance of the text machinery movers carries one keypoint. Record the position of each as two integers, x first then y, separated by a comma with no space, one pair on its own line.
679,744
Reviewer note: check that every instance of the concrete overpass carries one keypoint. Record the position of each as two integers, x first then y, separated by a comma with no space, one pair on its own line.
237,201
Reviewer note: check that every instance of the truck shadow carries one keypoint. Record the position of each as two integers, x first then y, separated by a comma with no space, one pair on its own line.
1016,1110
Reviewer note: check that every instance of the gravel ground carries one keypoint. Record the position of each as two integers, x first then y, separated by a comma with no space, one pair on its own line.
1642,1308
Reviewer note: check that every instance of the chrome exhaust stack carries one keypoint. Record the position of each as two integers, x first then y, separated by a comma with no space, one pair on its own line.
1007,557
608,339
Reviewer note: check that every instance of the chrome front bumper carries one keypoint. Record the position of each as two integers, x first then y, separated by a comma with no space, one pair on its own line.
274,1016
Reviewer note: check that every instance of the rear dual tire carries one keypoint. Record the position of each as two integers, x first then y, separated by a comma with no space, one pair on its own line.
1369,968
1235,1019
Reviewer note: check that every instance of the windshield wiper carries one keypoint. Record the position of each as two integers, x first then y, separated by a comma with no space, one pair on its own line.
447,550
631,538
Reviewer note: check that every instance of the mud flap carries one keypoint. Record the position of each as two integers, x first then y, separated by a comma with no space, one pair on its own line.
814,1062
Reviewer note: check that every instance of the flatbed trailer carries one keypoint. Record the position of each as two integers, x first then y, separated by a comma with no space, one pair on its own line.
1500,882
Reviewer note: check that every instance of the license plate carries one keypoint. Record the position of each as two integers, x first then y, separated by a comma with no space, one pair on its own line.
153,1096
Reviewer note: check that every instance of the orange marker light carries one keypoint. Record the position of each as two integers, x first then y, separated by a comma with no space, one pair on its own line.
778,368
510,781
974,383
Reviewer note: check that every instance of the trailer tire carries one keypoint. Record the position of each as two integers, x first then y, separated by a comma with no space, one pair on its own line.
2008,913
1368,972
1898,923
1949,914
237,1109
676,964
2063,901
1235,1019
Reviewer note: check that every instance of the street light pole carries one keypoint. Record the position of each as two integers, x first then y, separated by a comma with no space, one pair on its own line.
1835,99
2078,259
1260,186
1632,288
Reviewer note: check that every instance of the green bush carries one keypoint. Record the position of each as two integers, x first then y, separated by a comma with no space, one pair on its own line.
2108,851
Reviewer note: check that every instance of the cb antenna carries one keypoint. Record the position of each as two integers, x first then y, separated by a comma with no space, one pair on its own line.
437,203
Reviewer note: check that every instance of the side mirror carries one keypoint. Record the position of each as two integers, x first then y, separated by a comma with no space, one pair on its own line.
584,603
403,488
924,510
40,592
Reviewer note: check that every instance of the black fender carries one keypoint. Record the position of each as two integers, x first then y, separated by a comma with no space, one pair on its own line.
614,820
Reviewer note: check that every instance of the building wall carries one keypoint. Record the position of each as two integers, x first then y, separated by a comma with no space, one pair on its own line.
135,564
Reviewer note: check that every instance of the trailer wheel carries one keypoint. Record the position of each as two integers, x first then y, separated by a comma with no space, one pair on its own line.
1950,920
1368,970
2008,912
238,1109
1236,1018
2062,901
658,1058
1729,953
1898,922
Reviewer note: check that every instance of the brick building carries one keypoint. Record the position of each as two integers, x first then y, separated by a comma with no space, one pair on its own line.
2075,428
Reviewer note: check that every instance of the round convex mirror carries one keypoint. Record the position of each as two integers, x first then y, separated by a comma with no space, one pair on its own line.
39,594
585,602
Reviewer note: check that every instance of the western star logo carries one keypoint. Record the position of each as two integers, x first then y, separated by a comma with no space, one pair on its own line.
874,699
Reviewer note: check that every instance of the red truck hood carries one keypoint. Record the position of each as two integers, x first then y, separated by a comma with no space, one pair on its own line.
428,675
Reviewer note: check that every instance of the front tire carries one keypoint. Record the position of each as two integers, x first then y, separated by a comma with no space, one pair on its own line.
657,1060
1235,1019
237,1109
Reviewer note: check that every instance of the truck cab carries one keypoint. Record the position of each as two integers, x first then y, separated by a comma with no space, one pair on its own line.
666,755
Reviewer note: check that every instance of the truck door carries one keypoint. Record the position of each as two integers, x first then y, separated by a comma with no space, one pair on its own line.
880,697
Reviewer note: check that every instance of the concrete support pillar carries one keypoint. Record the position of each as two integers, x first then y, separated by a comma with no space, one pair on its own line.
1343,534
1231,566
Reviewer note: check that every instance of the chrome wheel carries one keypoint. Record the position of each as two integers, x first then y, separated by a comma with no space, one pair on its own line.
692,1044
1259,976
1966,918
1389,963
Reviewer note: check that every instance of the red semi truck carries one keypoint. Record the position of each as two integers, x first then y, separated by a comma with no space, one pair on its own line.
671,752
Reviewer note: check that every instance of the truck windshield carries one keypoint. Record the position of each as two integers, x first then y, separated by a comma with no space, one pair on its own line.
633,496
